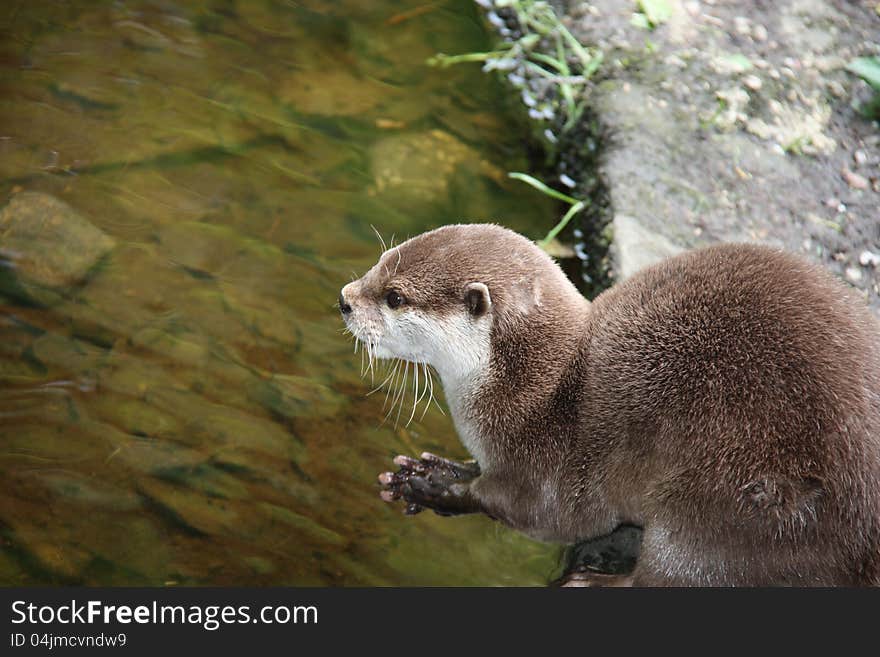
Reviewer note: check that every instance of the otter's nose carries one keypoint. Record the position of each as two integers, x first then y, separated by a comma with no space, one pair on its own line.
344,307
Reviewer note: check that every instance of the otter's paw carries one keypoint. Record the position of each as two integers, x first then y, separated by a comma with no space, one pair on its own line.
593,579
431,482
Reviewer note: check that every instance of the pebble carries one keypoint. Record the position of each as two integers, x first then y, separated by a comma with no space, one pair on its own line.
853,179
854,274
869,259
753,82
860,157
495,19
741,24
759,33
568,182
837,90
836,204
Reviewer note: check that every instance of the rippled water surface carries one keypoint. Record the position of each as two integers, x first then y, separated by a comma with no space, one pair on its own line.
187,186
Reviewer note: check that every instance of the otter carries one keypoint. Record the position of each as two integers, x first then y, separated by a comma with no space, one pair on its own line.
726,401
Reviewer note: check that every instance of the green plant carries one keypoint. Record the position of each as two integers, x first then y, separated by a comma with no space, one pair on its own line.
549,66
575,204
564,72
868,68
651,13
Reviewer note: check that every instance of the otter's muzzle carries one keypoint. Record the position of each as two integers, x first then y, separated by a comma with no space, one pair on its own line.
344,306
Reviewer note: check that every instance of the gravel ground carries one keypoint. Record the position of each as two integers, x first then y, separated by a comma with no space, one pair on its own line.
736,121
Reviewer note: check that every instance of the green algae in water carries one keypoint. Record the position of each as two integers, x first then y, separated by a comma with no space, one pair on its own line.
189,411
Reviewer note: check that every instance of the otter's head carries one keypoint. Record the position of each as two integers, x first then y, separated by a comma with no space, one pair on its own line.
439,298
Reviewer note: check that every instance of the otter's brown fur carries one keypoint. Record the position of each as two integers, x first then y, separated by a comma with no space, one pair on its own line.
731,406
726,400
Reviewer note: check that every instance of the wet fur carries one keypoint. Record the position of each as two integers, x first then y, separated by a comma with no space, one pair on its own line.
726,400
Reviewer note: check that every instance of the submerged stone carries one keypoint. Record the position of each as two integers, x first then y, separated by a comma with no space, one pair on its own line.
88,492
47,247
332,92
308,527
260,565
196,511
418,167
207,479
60,352
294,396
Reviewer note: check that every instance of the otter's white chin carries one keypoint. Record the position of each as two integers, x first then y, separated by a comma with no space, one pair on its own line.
381,351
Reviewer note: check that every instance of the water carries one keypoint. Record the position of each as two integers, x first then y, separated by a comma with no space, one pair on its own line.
190,413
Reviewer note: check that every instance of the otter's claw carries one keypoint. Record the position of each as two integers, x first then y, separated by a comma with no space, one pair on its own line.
431,482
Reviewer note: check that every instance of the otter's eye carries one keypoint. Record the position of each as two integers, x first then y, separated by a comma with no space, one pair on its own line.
394,299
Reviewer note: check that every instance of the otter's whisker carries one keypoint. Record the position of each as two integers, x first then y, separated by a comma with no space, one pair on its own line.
392,391
398,393
402,392
434,399
366,350
393,383
429,382
395,389
429,385
399,256
391,378
370,360
381,241
381,385
415,393
425,387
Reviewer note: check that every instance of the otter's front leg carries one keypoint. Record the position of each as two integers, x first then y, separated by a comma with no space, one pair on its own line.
432,482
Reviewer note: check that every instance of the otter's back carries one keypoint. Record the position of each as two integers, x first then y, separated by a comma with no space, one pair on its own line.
747,381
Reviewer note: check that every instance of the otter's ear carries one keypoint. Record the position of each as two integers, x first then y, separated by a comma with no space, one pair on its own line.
477,299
